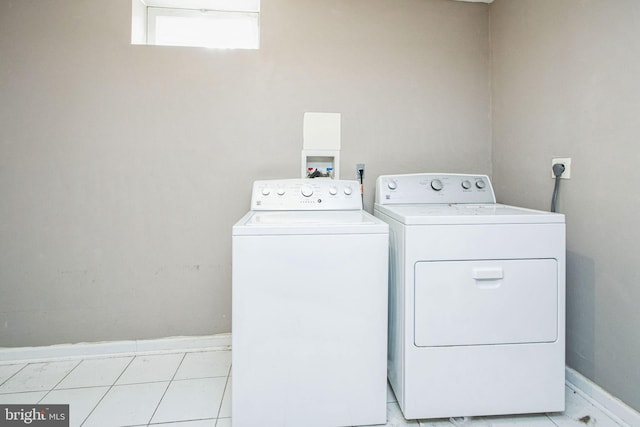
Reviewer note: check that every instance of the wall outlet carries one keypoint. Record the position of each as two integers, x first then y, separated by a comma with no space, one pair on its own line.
358,167
566,161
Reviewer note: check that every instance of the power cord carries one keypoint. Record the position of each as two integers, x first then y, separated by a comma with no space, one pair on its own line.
558,170
361,175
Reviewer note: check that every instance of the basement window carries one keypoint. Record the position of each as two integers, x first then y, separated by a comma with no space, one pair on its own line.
220,24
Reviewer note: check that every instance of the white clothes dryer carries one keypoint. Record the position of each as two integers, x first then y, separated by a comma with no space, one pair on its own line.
477,299
309,307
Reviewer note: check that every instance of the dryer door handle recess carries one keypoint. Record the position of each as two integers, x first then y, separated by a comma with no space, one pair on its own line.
488,273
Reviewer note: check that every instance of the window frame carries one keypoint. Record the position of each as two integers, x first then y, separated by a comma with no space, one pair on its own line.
213,15
144,29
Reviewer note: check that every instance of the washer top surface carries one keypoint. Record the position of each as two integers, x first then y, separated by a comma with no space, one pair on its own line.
308,222
295,218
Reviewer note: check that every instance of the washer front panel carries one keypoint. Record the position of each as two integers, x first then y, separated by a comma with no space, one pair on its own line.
309,330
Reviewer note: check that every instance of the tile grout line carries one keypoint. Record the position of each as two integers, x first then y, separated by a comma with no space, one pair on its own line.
197,378
550,419
107,392
226,384
14,374
184,355
58,383
169,423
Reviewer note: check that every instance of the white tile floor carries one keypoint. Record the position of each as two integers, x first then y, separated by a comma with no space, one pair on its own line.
192,389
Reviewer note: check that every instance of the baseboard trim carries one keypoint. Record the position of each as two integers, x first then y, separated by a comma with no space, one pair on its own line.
114,348
602,399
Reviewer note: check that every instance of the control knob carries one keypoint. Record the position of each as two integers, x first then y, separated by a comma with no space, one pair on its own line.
266,191
333,191
306,191
348,190
466,184
436,184
480,184
392,185
280,191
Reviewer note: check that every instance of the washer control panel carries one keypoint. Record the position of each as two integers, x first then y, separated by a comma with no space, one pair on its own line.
305,194
434,188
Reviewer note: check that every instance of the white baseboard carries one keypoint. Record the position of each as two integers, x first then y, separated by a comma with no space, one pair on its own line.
114,348
600,398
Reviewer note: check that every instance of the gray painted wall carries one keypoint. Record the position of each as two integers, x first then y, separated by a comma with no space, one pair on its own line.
565,83
123,168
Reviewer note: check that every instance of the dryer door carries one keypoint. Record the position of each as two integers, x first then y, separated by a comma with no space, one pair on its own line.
485,302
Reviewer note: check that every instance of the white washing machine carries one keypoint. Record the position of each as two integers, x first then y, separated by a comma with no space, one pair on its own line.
476,299
309,307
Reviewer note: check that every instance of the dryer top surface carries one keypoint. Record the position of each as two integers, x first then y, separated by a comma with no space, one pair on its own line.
492,213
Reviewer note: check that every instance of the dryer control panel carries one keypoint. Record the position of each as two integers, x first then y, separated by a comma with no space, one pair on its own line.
434,188
305,194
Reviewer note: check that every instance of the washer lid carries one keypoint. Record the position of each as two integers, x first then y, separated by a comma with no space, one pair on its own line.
493,213
257,223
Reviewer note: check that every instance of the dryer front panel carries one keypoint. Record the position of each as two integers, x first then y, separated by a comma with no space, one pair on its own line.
485,302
